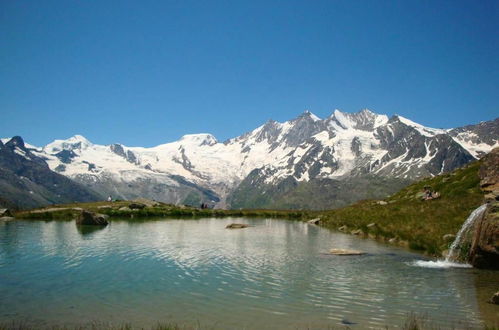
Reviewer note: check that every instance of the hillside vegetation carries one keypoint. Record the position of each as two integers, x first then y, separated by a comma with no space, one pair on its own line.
407,219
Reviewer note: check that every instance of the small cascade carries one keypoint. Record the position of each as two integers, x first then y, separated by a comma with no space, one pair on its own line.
450,260
456,245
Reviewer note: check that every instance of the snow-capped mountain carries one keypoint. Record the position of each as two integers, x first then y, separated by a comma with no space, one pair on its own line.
306,151
26,181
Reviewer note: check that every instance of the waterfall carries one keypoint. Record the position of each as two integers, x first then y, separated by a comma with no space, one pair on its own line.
450,262
456,245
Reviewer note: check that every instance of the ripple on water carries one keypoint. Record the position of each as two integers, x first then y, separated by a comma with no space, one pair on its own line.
196,270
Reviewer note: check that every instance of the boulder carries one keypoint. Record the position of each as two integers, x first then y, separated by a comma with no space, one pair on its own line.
343,228
315,221
6,218
346,252
5,213
136,206
371,225
392,240
236,226
484,251
495,298
382,203
124,208
88,218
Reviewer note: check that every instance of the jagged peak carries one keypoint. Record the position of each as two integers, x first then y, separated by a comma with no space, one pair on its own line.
427,131
367,111
16,141
307,115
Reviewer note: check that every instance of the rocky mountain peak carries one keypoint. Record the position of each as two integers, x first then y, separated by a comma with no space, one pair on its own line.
74,143
16,141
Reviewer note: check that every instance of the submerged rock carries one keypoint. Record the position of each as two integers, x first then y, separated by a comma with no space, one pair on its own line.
88,218
315,221
346,252
236,226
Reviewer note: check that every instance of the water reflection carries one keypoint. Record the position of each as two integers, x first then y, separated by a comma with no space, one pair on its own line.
88,230
196,270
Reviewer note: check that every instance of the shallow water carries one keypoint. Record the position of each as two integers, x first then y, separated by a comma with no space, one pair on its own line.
276,274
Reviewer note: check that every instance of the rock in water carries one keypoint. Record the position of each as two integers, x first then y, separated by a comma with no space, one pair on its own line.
346,252
88,218
315,221
237,226
5,213
495,298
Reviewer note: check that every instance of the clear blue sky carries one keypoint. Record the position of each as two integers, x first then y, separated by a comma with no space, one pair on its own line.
147,72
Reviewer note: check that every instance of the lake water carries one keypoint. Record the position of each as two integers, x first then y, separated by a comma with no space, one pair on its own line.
276,274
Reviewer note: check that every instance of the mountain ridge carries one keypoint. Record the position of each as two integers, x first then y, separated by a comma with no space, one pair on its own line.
344,148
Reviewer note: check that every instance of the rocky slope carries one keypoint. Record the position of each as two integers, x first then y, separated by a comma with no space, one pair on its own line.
26,180
277,164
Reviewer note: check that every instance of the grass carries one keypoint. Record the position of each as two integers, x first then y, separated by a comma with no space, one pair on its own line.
112,209
410,221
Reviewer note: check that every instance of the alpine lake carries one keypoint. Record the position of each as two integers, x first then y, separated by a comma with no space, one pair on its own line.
275,274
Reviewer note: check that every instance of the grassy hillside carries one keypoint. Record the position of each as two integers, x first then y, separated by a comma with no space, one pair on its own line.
408,220
327,193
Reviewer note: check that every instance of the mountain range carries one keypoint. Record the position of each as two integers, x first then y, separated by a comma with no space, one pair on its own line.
306,162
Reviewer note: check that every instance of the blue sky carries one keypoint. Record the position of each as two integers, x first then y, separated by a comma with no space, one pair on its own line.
147,72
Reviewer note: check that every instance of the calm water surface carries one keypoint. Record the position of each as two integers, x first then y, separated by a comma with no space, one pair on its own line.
272,275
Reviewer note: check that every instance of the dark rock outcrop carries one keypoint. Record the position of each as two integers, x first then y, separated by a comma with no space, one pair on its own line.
26,181
87,218
5,213
484,252
136,206
489,175
495,298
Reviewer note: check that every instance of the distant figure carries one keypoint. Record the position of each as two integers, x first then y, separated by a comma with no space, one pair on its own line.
110,199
